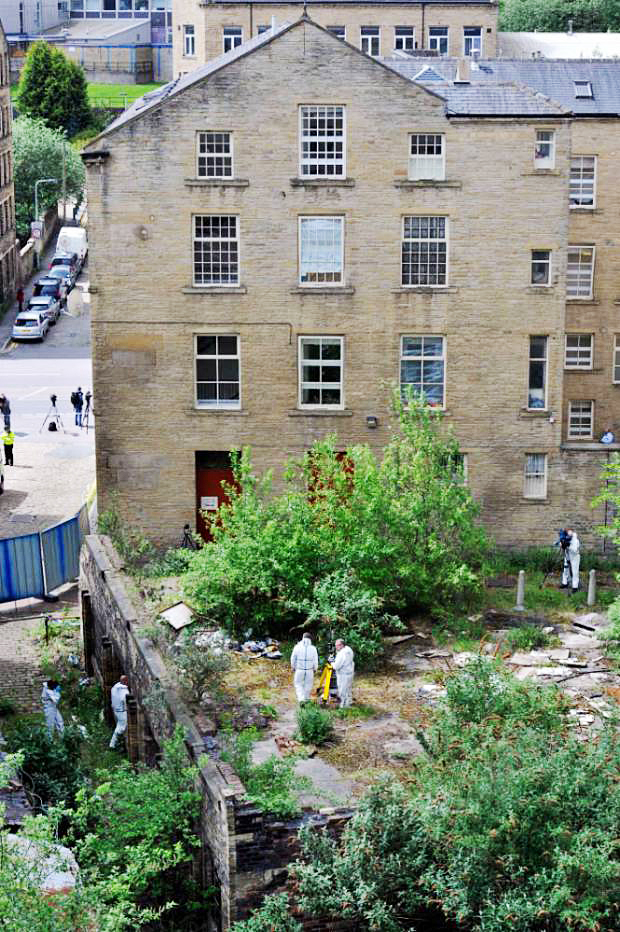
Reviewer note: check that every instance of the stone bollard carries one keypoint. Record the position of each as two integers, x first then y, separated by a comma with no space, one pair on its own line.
520,607
592,587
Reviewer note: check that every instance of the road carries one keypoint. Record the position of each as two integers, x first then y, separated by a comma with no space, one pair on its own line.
53,471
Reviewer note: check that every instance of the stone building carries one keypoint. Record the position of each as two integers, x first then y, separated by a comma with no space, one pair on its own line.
282,232
8,252
380,27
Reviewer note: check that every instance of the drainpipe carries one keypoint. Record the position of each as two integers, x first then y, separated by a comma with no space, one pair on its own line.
423,35
251,20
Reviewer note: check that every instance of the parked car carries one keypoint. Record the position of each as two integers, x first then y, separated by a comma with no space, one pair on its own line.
65,274
54,287
45,304
67,258
30,325
73,239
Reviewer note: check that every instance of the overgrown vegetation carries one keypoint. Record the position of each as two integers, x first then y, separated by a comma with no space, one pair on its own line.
52,767
314,724
199,663
555,15
273,916
270,785
528,637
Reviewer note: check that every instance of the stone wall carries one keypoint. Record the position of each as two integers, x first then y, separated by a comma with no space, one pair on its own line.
245,853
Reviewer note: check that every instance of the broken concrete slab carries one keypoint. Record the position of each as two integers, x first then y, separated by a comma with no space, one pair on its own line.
579,641
552,671
540,658
592,621
403,749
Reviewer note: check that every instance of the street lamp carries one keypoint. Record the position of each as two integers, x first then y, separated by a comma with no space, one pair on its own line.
36,207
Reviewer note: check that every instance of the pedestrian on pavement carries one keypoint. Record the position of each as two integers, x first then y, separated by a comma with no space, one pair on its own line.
77,400
118,695
19,295
8,439
50,696
344,666
5,411
304,663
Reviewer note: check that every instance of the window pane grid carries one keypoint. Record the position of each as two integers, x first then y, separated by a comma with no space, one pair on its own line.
544,152
472,39
322,142
320,375
578,351
427,156
438,39
320,250
579,271
217,371
541,266
404,38
424,251
214,155
233,36
537,381
582,175
216,250
422,366
370,39
580,419
535,478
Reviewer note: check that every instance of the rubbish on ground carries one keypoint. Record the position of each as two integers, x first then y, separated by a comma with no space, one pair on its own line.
178,616
289,745
267,648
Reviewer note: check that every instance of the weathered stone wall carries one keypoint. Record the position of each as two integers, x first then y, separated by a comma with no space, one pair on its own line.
245,853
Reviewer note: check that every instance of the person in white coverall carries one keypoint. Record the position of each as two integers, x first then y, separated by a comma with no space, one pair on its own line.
118,694
304,663
50,696
344,666
572,558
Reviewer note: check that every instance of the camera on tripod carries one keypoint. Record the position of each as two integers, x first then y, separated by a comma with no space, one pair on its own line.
53,399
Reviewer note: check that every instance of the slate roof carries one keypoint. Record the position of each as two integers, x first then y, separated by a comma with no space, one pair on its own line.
497,100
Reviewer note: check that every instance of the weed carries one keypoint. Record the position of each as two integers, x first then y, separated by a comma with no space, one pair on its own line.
528,637
6,707
271,784
461,633
269,711
353,712
314,724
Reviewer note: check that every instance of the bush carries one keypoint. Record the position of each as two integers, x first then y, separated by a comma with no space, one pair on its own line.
528,637
51,769
314,724
273,916
200,666
270,785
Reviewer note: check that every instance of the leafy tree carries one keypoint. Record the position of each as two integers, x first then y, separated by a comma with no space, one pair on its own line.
38,153
53,89
273,916
554,15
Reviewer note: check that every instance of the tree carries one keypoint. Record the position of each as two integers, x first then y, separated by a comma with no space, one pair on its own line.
53,89
37,153
554,15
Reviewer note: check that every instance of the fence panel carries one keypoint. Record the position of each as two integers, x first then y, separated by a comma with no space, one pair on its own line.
21,568
61,552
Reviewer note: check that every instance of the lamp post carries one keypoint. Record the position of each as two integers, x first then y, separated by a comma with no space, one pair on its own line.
36,208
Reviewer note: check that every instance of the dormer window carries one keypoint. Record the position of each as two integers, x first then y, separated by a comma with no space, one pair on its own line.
583,89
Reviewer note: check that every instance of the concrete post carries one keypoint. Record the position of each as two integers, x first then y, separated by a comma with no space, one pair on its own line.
592,587
520,606
133,734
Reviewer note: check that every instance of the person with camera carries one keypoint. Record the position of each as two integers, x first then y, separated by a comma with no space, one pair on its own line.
77,400
569,542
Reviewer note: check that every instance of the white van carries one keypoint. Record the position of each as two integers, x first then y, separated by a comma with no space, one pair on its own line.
73,239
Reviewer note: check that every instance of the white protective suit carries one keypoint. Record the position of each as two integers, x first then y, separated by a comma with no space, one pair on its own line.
305,662
53,718
344,666
118,694
572,558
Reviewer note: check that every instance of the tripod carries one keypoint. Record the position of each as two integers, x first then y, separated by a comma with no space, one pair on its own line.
53,417
86,415
188,542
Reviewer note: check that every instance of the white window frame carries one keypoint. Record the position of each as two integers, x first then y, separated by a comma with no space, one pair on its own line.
445,239
335,30
534,475
572,412
435,41
370,40
582,356
548,262
544,162
421,359
261,29
321,284
217,405
537,359
189,41
235,239
202,139
574,295
578,186
616,361
407,42
309,338
427,167
471,39
230,34
583,89
326,138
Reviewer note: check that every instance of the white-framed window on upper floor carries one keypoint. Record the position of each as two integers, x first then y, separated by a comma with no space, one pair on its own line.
370,41
339,31
541,267
472,40
423,368
438,39
578,351
544,149
537,374
189,41
535,475
424,251
216,249
232,37
427,156
404,38
321,375
322,141
580,271
583,89
321,251
261,29
580,420
214,155
217,371
583,181
616,360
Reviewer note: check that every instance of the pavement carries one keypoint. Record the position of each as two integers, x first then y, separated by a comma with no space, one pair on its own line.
53,472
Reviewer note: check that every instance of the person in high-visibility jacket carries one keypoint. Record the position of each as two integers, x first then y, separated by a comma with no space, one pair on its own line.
304,663
8,439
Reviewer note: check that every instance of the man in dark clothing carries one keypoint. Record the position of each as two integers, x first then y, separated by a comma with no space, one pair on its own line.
5,410
8,439
20,298
77,400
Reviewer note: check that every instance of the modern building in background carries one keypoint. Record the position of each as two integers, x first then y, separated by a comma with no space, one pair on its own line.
8,249
157,13
28,17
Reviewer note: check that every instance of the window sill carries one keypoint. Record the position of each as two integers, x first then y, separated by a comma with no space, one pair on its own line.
318,412
322,182
323,289
406,184
541,171
582,301
235,412
425,289
540,289
585,210
574,446
216,182
214,289
530,500
581,369
537,412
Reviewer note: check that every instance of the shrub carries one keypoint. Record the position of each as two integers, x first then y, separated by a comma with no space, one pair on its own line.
273,916
314,724
200,665
527,637
7,706
270,785
51,769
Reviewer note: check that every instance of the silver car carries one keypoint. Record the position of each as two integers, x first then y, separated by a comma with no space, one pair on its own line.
45,304
30,325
